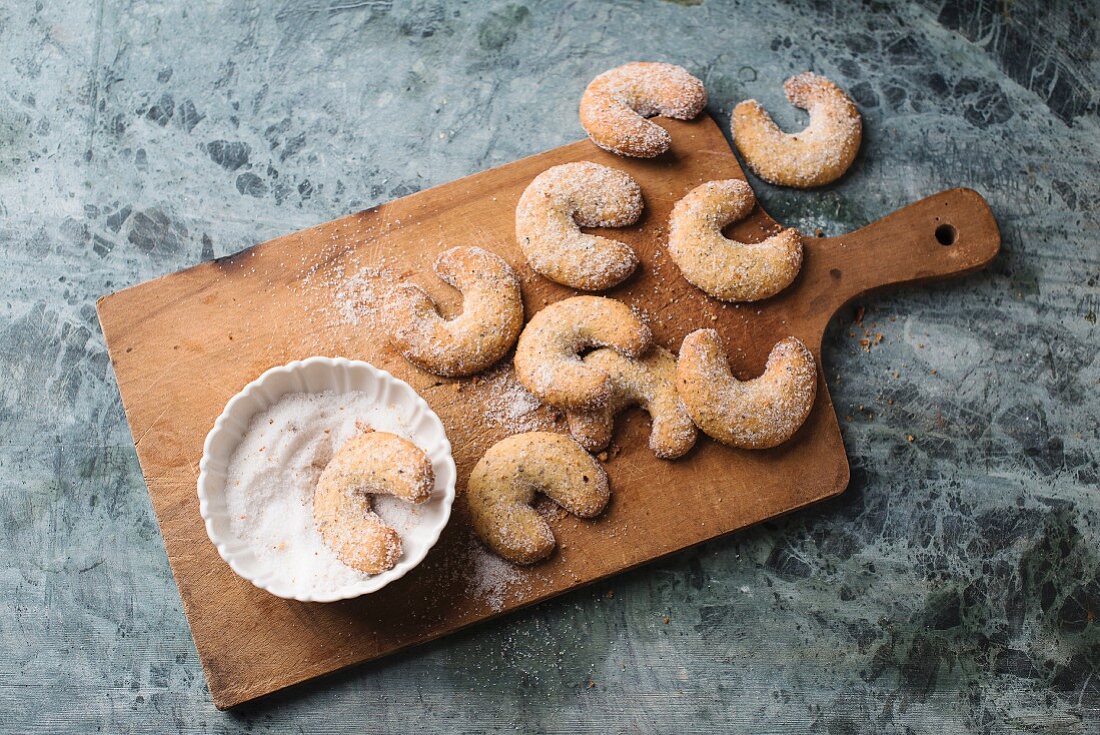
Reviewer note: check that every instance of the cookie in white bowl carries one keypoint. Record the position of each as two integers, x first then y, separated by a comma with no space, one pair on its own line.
266,451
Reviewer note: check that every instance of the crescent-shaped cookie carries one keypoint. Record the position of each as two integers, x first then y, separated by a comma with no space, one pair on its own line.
724,268
547,355
372,463
504,483
615,105
817,155
648,381
753,414
557,204
490,322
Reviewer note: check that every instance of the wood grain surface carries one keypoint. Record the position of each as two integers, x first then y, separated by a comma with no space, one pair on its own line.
184,344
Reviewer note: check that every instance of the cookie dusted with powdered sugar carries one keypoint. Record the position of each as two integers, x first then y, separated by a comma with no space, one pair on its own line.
749,414
615,105
648,381
557,204
724,268
372,463
490,322
547,355
817,155
505,481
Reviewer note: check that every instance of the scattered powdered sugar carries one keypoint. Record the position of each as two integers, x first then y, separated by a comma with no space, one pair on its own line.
273,472
361,297
509,405
493,579
479,575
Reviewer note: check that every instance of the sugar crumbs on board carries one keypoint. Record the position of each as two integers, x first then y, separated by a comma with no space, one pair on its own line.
492,579
508,405
360,297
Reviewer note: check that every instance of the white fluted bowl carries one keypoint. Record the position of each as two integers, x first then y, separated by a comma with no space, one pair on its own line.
316,375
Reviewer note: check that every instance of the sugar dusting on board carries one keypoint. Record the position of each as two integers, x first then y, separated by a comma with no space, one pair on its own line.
361,296
493,580
507,404
480,574
272,474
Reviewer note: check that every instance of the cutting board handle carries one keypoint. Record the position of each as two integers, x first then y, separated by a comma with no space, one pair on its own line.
947,234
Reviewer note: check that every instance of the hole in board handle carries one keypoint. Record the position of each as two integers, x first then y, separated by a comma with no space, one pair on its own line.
946,235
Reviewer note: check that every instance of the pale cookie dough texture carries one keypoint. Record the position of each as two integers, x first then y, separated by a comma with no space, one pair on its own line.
490,322
752,414
724,268
557,204
547,355
505,481
817,155
648,381
372,463
615,105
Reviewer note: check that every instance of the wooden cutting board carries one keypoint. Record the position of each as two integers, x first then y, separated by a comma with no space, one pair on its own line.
182,345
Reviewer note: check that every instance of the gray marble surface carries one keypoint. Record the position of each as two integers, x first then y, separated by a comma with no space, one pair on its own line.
953,588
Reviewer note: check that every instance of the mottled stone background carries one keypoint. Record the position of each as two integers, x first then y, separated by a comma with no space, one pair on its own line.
953,588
